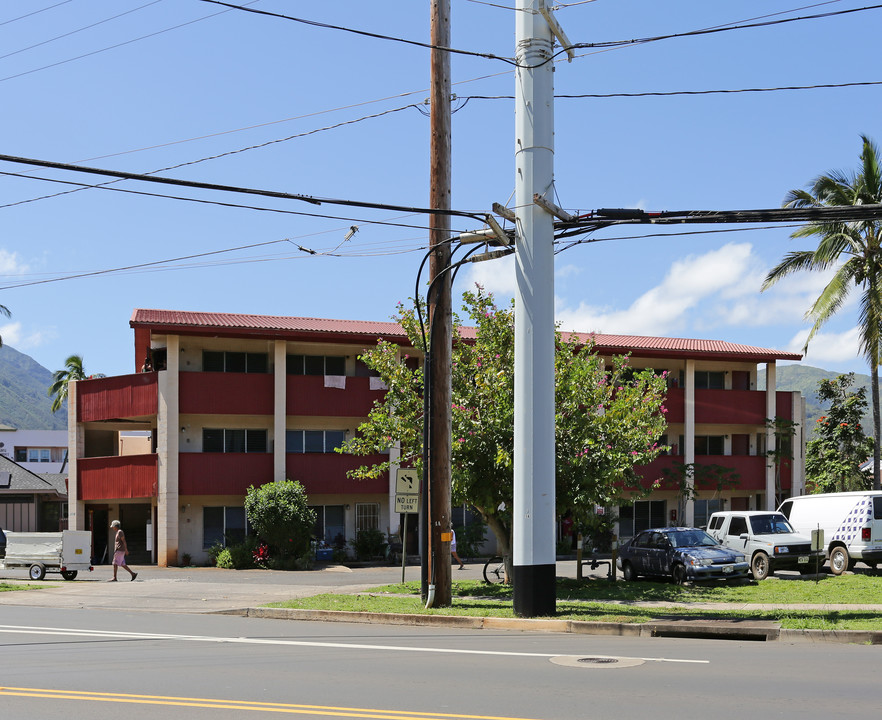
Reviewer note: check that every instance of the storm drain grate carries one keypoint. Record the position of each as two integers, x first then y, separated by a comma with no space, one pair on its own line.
598,661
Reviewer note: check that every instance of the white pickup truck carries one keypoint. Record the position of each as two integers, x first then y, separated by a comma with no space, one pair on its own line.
65,552
768,541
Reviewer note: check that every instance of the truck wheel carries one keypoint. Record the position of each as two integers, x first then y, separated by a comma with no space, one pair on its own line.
69,574
628,571
679,574
759,566
37,572
838,560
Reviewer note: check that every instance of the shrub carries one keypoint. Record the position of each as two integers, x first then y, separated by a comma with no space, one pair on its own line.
280,516
369,544
470,538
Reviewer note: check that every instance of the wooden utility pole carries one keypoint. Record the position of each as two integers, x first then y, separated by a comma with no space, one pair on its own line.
440,318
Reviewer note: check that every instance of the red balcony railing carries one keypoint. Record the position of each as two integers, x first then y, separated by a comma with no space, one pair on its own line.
233,473
307,395
323,473
106,478
222,473
122,396
751,470
220,393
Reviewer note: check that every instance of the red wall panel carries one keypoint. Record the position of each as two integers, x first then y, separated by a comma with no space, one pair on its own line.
326,473
750,468
222,473
122,396
307,395
128,476
218,393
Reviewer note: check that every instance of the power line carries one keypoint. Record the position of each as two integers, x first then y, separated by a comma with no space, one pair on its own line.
219,203
364,33
675,93
113,47
219,155
35,12
235,189
74,32
714,30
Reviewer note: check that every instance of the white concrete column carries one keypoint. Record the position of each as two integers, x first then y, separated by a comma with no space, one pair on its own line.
689,437
280,409
771,411
168,429
76,445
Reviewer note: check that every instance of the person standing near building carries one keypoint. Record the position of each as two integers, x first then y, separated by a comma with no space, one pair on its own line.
120,550
453,550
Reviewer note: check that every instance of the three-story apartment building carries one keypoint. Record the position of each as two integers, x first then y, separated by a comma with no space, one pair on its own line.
231,401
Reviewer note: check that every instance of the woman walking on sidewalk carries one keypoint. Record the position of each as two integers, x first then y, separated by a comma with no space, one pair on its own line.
120,550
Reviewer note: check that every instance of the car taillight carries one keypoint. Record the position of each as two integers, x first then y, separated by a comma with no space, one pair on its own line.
865,534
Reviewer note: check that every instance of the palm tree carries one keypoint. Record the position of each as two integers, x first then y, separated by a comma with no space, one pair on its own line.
853,248
60,378
4,311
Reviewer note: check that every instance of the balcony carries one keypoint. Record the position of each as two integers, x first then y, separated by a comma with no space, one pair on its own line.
222,473
751,470
233,473
122,396
117,477
325,473
307,395
726,407
219,393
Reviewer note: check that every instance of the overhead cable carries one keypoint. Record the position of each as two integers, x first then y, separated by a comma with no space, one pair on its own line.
364,33
220,203
233,188
74,32
35,12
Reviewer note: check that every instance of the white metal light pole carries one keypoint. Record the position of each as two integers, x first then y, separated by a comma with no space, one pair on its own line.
534,502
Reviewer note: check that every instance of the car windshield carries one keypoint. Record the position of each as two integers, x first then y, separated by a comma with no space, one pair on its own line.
691,538
772,524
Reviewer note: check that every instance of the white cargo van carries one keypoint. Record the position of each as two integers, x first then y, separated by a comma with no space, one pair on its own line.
851,521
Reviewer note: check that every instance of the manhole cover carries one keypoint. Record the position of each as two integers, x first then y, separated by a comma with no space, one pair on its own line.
596,662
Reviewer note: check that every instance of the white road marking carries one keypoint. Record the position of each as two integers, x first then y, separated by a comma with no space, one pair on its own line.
127,635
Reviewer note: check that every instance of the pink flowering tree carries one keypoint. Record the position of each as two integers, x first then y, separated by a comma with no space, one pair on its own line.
609,417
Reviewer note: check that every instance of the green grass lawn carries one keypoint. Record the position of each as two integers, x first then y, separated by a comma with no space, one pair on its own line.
602,601
6,586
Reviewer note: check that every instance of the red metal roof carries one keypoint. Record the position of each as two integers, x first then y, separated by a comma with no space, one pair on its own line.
341,330
269,323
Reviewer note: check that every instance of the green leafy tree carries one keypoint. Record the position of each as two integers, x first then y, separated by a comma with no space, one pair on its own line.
4,311
853,249
73,370
782,454
839,446
690,479
281,517
609,419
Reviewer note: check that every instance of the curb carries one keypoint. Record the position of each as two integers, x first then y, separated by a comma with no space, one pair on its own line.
696,629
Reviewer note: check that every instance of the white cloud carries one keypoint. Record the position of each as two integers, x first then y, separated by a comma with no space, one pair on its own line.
11,334
828,347
495,276
10,264
689,283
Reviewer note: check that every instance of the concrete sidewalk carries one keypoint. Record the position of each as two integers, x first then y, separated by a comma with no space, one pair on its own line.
244,592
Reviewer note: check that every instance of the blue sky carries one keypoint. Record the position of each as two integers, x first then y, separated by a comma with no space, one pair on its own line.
140,85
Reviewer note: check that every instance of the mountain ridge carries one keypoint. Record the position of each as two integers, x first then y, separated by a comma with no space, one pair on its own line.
24,402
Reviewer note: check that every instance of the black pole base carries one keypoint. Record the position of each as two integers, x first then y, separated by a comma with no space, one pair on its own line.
535,592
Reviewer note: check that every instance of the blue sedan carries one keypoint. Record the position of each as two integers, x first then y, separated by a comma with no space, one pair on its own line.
681,554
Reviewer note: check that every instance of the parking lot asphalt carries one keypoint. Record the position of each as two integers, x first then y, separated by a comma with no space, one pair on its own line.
213,590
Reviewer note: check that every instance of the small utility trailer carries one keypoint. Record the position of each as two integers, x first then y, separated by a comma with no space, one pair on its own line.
65,552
